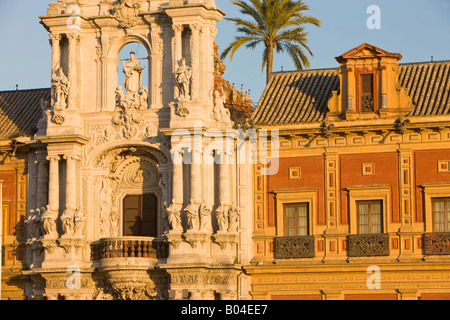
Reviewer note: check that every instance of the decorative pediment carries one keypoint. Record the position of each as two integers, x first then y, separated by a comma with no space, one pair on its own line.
367,50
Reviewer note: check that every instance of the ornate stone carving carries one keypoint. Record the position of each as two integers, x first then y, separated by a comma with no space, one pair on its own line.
182,109
128,105
127,12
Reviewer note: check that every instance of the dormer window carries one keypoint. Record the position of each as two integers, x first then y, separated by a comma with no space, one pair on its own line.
369,85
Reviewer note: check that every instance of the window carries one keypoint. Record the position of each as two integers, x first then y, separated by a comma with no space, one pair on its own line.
296,219
441,212
367,93
370,216
140,214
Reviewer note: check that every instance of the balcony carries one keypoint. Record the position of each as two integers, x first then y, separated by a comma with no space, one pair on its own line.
436,243
294,247
368,245
129,247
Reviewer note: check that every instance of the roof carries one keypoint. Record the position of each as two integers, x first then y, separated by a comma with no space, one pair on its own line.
20,112
302,96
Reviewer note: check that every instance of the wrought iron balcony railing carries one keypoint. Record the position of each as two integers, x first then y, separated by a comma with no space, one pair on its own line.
368,245
128,247
294,247
436,243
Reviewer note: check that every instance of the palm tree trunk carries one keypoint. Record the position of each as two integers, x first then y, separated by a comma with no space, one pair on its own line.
269,67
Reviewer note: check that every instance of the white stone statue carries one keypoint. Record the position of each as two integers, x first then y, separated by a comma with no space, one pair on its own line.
222,218
79,221
143,98
49,222
205,218
183,76
34,224
233,219
133,74
60,85
67,220
220,112
174,217
192,216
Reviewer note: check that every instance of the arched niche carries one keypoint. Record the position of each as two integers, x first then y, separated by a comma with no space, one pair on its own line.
123,170
110,67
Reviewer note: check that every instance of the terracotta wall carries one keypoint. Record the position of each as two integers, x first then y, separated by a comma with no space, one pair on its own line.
386,173
312,176
426,171
10,197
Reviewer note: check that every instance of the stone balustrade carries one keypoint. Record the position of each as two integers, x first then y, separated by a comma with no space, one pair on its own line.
128,247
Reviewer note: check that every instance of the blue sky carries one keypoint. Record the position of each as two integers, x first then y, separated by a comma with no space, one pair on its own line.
416,29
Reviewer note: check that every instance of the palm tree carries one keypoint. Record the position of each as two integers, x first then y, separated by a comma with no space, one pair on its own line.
279,25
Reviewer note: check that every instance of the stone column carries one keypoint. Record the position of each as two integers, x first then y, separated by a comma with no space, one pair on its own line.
156,59
53,183
177,177
224,179
196,176
210,61
177,52
71,179
56,51
55,40
42,180
73,39
195,54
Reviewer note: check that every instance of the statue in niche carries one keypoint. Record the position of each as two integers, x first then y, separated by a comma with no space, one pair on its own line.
134,99
183,76
233,219
174,217
143,98
79,219
222,218
133,74
48,217
205,218
67,219
34,224
60,85
192,216
105,204
220,112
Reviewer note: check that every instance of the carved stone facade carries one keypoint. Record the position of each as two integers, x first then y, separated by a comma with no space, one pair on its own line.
124,207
